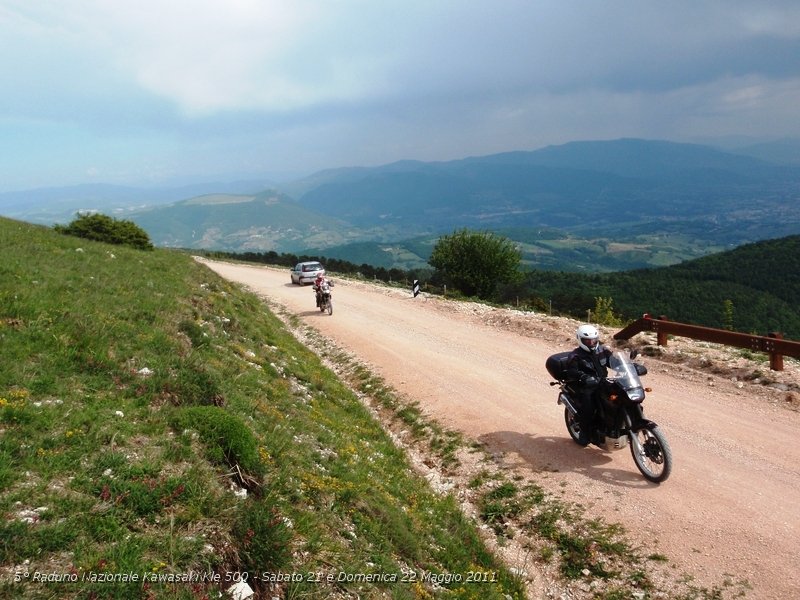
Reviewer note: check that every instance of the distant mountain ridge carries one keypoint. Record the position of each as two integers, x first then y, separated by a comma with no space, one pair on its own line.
636,180
662,199
584,206
785,151
655,160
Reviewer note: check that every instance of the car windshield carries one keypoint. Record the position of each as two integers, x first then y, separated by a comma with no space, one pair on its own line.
312,267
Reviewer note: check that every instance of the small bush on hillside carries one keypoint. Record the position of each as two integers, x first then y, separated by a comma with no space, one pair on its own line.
193,385
194,332
102,228
227,439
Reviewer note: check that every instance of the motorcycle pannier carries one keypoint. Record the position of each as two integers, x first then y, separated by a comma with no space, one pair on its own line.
556,365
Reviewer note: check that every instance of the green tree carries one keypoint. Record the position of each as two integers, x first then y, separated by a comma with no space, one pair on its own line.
727,314
476,262
604,312
103,228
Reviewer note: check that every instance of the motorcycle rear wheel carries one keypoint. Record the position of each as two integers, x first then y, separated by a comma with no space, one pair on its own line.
652,454
573,427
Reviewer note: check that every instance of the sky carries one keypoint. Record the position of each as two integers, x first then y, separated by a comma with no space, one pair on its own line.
169,92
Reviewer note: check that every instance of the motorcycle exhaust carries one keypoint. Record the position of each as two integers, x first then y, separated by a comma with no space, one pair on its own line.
565,400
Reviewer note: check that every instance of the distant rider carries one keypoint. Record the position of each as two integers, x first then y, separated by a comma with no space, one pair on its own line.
318,283
587,366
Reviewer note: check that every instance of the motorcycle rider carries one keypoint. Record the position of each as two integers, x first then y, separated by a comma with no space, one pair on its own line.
318,283
587,366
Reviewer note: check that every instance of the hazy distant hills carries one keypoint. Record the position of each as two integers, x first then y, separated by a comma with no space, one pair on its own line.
786,151
577,186
47,206
240,223
649,160
581,206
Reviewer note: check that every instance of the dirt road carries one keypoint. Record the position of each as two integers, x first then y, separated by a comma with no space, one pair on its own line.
731,508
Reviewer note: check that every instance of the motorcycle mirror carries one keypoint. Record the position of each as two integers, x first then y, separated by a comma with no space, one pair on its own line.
634,353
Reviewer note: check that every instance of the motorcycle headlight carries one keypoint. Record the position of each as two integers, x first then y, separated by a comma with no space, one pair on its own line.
636,394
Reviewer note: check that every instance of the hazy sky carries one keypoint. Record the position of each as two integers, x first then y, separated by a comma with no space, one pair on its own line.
168,91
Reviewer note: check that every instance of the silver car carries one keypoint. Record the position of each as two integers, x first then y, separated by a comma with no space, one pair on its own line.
306,272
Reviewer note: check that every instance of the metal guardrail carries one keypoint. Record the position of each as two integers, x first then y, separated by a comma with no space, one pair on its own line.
772,344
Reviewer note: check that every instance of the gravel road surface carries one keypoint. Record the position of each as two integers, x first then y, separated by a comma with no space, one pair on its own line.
731,508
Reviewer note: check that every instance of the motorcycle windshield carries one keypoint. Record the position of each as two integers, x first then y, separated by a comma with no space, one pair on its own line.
624,372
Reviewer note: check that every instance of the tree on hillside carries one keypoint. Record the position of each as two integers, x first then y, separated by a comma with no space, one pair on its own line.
727,314
103,228
604,312
476,262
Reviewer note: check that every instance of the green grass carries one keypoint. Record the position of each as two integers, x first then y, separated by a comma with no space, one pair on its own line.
159,422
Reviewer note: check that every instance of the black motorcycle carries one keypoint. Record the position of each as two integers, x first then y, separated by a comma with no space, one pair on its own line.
620,416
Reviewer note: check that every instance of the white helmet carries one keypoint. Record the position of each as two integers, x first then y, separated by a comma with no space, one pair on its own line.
588,338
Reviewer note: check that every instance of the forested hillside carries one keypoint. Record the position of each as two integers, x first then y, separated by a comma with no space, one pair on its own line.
759,281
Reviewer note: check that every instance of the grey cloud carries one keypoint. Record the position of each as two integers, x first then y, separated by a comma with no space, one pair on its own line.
376,82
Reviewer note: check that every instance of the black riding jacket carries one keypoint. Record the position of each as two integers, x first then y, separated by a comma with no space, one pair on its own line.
582,363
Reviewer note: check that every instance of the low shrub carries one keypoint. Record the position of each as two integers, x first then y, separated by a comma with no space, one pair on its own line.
227,439
103,228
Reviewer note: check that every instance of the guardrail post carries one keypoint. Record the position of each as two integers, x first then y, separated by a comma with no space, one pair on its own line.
775,359
661,336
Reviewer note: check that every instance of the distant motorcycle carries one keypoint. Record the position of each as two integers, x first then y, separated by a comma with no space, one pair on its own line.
620,416
325,297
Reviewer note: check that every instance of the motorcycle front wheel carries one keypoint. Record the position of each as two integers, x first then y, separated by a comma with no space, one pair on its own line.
652,454
330,306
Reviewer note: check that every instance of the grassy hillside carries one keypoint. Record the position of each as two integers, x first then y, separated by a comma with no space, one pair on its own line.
157,423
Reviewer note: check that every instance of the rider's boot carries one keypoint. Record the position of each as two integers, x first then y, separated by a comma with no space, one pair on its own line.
585,420
585,432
